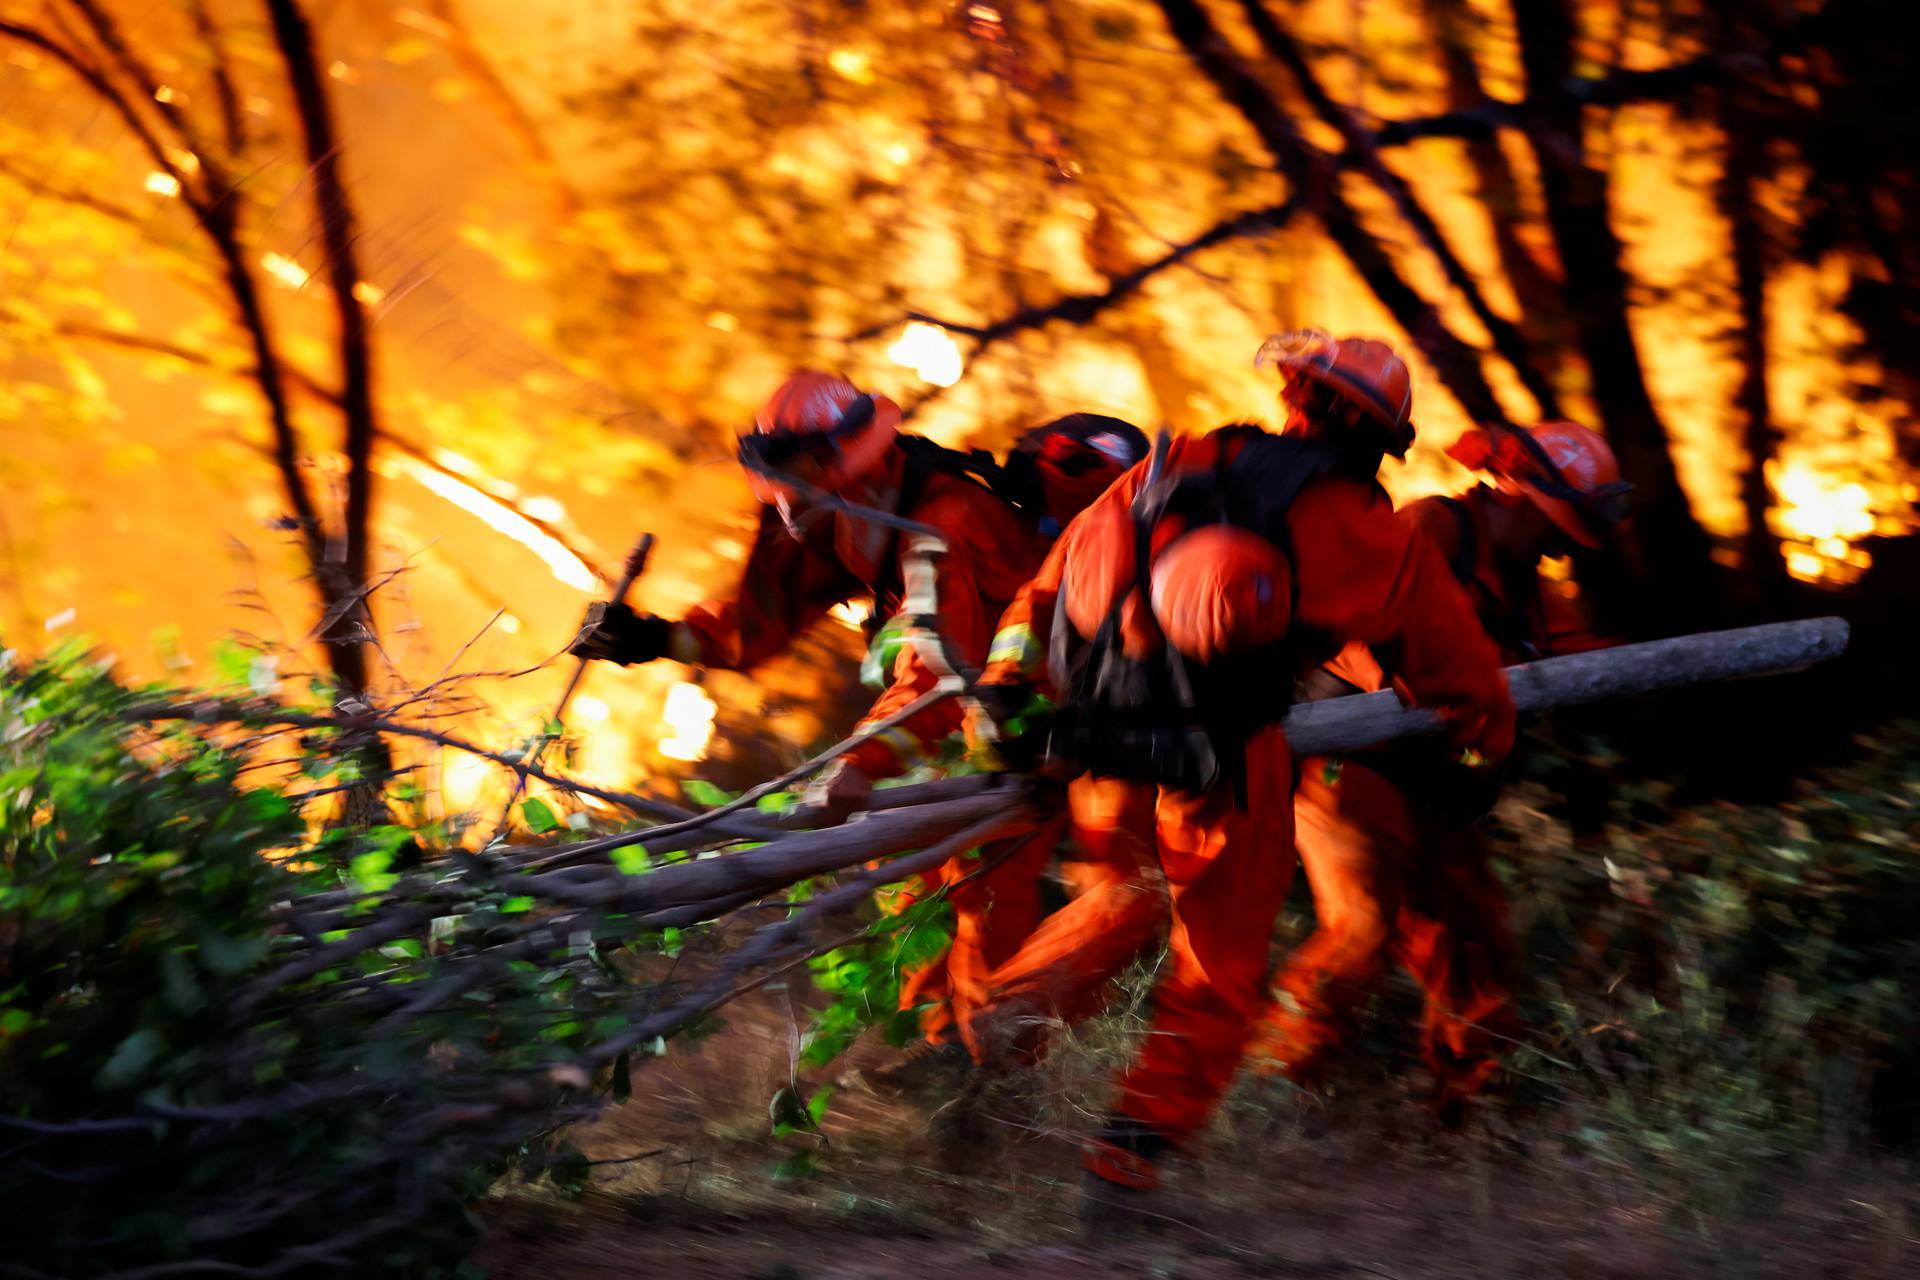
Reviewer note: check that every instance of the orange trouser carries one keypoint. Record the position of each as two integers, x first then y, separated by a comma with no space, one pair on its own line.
1392,885
1224,869
993,913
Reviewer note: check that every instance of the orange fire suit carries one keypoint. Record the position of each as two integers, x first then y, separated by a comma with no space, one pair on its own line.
788,584
1395,878
1224,864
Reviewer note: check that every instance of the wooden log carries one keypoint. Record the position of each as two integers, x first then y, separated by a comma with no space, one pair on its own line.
751,873
1364,720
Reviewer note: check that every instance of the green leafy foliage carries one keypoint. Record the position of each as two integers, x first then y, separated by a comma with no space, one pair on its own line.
864,979
168,1091
1720,990
705,793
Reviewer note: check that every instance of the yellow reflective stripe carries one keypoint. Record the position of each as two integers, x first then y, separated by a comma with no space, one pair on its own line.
903,744
1015,644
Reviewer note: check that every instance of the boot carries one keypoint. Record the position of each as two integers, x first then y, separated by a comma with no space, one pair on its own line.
1119,1194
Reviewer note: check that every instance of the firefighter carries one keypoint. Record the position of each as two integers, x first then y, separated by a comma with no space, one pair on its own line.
818,434
1168,624
1397,872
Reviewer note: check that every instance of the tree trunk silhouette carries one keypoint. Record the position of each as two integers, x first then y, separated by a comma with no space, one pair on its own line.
1536,286
354,625
1596,293
1316,184
1365,156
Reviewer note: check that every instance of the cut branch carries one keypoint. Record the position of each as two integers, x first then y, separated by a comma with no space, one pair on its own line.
1371,719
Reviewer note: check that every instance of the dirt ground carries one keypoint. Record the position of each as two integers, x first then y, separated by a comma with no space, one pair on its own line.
694,1186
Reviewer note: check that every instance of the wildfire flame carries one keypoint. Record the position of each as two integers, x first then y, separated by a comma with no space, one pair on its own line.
566,566
928,351
1821,515
688,716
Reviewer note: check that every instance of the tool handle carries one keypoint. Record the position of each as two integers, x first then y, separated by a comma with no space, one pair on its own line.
635,566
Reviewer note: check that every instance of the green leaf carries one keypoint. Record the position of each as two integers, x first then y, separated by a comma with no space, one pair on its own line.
540,819
817,1104
795,1168
369,873
632,859
130,1060
514,906
224,957
702,792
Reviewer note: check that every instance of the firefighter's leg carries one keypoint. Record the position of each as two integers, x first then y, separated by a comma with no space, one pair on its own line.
926,983
996,906
1358,837
1062,969
1227,868
1455,938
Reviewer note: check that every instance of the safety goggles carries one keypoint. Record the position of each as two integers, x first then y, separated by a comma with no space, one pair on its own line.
1518,455
799,453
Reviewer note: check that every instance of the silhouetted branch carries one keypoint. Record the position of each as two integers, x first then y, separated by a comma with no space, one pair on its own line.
1361,153
1621,87
1314,176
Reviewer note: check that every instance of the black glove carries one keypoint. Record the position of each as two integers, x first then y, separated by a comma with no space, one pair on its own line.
615,633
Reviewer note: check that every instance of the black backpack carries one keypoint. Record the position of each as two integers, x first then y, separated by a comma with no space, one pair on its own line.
1162,719
1017,482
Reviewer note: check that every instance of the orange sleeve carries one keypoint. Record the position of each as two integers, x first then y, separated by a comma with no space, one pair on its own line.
1366,576
784,587
987,548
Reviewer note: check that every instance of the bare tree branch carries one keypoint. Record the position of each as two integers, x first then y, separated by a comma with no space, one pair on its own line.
1079,308
1364,155
1314,176
1617,89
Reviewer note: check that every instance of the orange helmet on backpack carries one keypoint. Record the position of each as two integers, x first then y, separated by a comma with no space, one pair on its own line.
819,429
1367,379
1220,590
1213,591
1566,470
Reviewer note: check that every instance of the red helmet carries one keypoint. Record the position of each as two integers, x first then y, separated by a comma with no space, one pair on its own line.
817,428
1566,470
1060,467
1221,589
1368,376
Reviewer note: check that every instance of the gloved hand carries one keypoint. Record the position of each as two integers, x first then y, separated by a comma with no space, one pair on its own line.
1007,728
840,791
615,633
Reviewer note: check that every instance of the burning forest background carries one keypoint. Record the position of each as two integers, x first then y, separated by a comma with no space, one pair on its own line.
358,340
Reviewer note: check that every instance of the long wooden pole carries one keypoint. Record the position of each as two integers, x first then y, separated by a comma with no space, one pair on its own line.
1370,719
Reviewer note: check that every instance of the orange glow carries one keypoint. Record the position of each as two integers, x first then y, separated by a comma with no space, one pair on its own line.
1821,515
285,270
930,352
163,184
852,65
688,715
852,614
566,566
